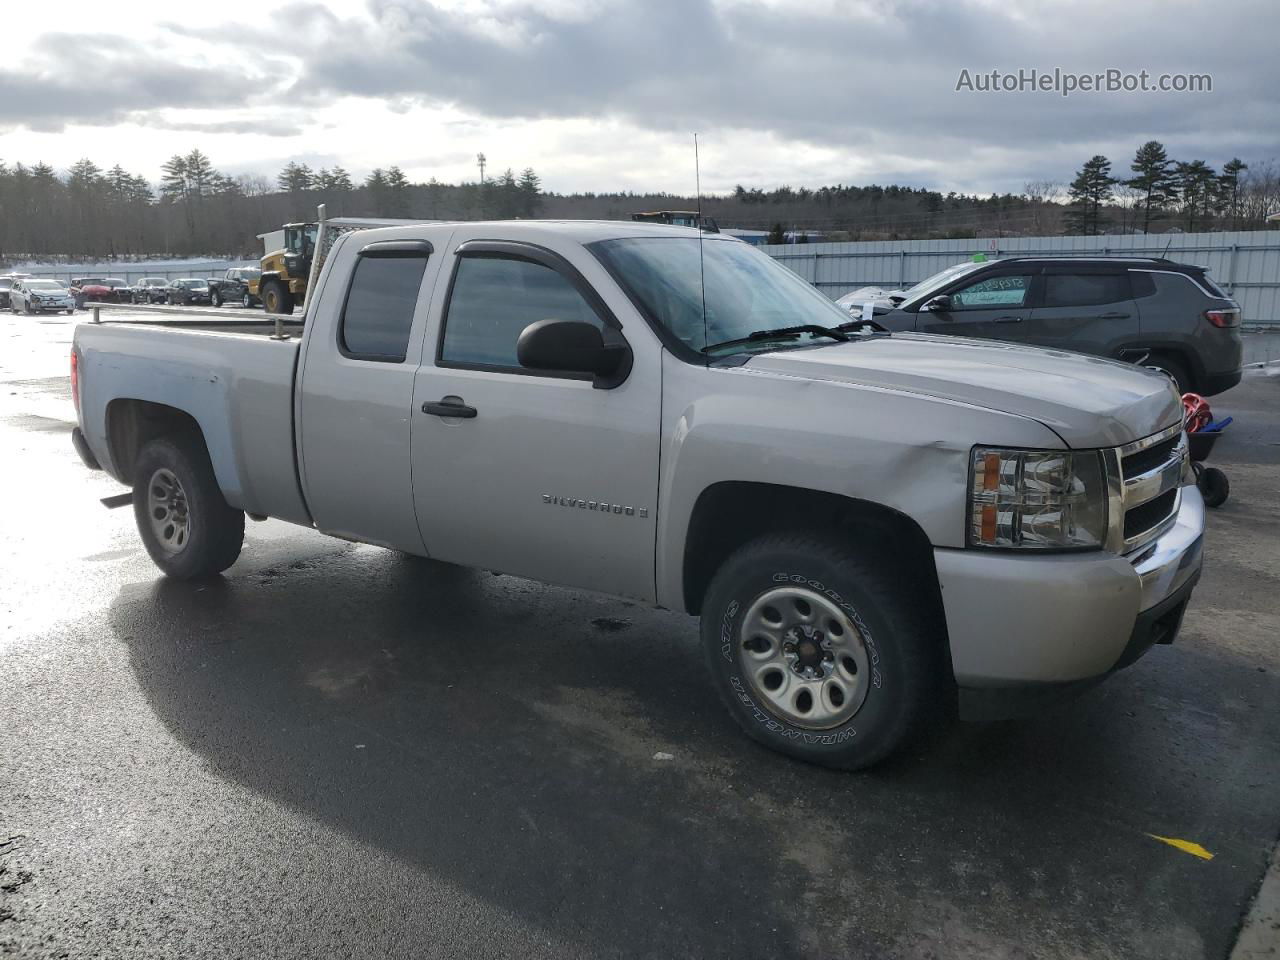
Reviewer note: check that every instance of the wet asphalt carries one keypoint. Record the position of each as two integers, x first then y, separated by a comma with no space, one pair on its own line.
337,751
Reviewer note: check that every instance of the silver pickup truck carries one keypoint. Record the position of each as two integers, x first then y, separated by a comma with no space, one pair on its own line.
873,527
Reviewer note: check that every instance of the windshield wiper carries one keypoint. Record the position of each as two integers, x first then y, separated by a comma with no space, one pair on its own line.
781,333
860,324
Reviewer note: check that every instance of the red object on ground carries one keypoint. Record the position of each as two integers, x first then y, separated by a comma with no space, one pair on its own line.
1196,412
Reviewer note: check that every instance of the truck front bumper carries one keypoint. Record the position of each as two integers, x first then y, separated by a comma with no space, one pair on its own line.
1029,629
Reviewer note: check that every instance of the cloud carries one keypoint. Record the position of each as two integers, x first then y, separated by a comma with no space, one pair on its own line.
99,79
871,78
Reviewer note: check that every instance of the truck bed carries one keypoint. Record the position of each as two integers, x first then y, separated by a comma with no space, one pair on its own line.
233,376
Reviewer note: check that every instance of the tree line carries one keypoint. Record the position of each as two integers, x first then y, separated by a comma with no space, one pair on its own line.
1163,192
89,211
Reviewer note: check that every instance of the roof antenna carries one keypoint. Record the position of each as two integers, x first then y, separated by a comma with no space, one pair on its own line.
702,269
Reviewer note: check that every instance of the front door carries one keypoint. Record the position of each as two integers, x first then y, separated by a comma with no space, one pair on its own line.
531,474
996,307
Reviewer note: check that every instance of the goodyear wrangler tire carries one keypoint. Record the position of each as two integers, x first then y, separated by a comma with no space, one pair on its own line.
820,653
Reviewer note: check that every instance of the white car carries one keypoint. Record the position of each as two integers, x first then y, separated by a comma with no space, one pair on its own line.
40,296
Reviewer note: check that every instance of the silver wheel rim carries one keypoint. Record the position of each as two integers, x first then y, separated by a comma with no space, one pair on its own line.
246,302
804,657
167,509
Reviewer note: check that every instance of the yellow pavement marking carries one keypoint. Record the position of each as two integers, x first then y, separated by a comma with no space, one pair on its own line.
1186,846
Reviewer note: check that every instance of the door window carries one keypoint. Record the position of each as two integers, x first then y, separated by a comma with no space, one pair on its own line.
378,314
493,299
1085,289
993,292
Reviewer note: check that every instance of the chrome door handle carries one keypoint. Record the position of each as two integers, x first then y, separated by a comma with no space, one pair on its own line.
1008,320
449,406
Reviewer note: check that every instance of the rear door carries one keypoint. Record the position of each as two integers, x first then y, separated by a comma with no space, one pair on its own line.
354,407
995,306
1086,308
530,473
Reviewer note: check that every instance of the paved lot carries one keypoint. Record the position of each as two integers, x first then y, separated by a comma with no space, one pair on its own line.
339,752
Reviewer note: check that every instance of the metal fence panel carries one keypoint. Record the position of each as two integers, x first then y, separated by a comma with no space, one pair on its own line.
1245,263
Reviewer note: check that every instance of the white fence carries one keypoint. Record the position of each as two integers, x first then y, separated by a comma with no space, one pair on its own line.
1246,264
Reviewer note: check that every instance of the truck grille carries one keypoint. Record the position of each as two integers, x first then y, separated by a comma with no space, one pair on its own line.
1150,475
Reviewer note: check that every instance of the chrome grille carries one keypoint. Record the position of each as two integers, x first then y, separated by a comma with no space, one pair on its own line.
1146,486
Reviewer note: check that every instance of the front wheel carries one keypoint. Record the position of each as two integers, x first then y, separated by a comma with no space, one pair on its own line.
246,301
820,653
276,298
186,525
215,298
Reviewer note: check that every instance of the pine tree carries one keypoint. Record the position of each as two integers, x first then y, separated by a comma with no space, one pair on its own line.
1197,185
530,187
776,234
397,204
1229,187
173,182
1153,179
1089,191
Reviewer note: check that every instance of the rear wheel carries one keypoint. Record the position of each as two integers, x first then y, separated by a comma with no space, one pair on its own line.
247,300
276,297
1171,367
185,524
819,652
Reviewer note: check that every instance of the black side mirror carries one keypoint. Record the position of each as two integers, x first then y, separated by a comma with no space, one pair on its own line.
573,346
939,304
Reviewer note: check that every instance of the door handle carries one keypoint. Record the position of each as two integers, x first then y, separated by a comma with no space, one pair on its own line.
1113,316
1008,320
449,406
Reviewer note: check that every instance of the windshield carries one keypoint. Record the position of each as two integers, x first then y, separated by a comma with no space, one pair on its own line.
943,277
43,285
116,283
746,290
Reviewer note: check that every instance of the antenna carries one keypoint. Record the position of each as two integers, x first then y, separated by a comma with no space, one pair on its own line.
1165,255
702,268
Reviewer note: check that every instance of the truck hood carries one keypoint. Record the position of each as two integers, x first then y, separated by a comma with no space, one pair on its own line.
1087,401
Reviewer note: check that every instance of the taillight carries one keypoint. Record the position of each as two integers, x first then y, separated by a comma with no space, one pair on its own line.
1223,318
75,378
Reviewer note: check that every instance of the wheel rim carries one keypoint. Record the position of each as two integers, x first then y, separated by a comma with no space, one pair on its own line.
804,657
167,509
246,302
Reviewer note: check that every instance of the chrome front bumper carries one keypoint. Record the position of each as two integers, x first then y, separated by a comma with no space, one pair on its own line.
1046,620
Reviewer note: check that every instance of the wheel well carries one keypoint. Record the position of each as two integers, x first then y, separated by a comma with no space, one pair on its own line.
729,515
132,424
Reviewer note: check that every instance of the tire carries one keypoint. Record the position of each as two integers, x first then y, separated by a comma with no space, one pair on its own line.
247,301
1214,486
215,298
867,634
174,475
1171,367
276,298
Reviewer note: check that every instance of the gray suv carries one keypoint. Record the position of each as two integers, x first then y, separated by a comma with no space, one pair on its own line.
1164,315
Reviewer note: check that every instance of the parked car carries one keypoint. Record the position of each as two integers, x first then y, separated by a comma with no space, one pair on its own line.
99,290
5,284
1164,315
40,296
865,522
149,290
187,292
237,285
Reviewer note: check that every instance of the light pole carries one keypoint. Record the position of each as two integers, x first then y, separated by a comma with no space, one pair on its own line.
481,160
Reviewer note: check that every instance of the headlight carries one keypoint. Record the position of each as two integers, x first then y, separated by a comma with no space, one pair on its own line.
1038,500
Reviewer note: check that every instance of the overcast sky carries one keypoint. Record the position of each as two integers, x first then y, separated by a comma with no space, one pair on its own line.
605,94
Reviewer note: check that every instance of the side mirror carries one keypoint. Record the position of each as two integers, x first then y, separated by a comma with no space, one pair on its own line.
939,304
573,346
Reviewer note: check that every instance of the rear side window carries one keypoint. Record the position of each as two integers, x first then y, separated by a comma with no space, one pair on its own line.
1085,289
378,314
1141,284
494,299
